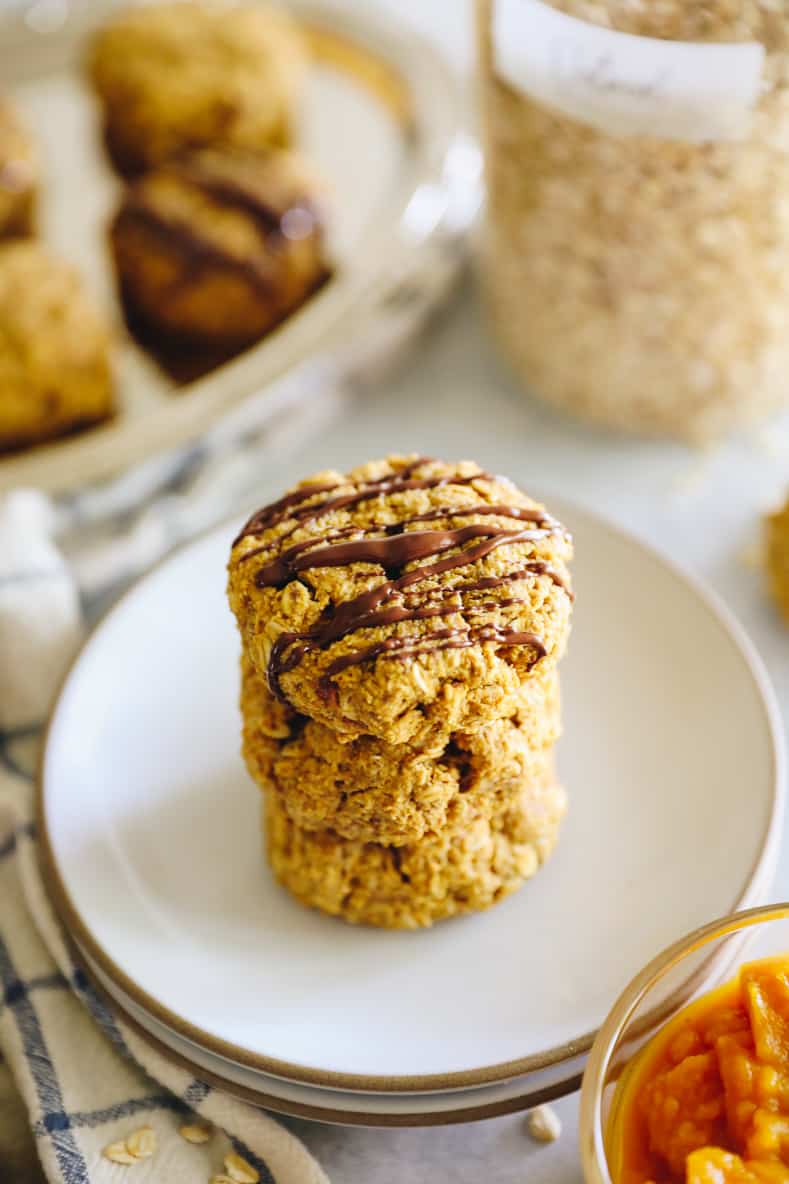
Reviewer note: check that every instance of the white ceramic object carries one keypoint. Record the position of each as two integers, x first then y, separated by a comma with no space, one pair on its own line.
382,121
673,760
365,1108
344,1107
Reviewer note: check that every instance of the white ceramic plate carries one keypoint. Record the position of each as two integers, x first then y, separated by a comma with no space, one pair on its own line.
381,121
673,761
360,1108
348,1108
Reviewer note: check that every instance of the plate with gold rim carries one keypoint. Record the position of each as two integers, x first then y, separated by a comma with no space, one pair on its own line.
345,1107
674,764
365,1108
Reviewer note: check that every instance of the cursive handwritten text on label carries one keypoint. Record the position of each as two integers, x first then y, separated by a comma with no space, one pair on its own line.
623,84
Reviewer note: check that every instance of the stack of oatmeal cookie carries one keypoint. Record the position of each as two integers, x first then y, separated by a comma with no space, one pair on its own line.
401,627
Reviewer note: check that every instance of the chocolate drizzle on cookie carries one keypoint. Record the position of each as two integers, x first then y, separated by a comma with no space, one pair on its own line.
394,547
291,505
198,250
238,192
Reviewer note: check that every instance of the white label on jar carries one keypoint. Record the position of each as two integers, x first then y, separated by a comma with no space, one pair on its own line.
623,84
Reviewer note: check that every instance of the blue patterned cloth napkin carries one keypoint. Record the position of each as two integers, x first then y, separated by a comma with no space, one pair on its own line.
95,1090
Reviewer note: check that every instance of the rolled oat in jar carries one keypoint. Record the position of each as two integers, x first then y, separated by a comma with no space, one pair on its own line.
637,255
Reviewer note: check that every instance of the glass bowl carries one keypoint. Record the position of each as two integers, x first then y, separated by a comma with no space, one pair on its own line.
695,964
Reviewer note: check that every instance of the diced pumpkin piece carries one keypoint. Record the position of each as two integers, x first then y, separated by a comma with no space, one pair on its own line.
772,1089
713,1165
684,1109
725,1021
765,987
770,1173
687,1043
768,1138
709,1101
739,1072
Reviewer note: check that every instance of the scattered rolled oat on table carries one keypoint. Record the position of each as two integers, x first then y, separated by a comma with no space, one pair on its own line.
639,282
401,627
139,1145
544,1125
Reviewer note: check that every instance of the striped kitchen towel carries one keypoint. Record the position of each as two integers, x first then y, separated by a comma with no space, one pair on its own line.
96,1092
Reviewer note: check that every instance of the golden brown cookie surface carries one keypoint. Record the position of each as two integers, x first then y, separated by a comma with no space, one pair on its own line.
19,171
408,599
776,531
196,73
219,246
54,348
466,867
368,790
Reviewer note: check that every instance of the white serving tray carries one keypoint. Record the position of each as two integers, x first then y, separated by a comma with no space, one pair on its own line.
381,120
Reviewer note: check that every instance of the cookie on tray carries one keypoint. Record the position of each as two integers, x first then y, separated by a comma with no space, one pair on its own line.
407,600
19,176
196,73
218,247
54,348
369,790
466,867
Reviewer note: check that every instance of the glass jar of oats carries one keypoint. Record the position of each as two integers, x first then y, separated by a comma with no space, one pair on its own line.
637,249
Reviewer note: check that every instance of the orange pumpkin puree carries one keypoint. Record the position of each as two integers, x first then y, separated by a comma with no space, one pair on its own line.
706,1101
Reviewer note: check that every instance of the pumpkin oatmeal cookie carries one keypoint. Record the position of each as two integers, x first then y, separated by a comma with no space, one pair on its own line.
368,790
470,865
54,348
407,600
196,73
776,533
19,173
219,246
